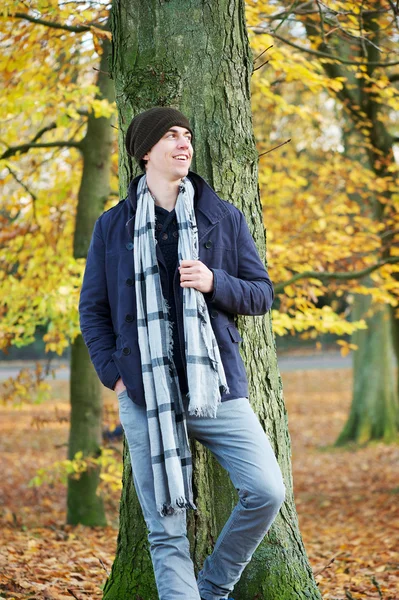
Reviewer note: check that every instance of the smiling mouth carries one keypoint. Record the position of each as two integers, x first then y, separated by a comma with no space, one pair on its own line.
181,158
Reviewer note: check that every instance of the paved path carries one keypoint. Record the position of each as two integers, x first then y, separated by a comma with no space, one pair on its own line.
325,360
322,360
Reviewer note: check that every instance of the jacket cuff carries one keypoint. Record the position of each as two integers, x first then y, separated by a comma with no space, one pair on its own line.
110,375
211,295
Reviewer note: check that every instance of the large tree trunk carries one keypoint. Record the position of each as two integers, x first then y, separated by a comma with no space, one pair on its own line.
84,505
195,56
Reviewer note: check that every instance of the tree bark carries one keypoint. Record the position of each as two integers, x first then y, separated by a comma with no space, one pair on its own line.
83,504
195,56
374,404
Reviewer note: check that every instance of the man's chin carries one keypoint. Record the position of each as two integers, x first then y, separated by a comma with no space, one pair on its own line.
182,171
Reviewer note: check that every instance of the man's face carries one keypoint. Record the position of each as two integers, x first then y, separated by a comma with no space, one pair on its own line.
172,155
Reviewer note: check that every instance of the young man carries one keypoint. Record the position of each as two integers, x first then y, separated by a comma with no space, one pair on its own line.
167,270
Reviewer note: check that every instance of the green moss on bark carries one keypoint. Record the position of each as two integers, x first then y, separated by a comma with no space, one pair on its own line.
195,56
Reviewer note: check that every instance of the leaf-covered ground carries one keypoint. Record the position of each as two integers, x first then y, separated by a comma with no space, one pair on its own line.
347,500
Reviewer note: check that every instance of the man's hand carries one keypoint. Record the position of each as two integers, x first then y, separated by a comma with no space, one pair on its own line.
119,386
193,273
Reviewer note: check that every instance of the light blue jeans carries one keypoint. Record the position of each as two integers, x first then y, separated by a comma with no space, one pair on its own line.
239,443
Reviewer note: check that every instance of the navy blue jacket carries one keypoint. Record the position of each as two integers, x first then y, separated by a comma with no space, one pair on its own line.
108,304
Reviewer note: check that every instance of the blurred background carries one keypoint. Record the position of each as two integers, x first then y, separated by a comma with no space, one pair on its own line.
325,99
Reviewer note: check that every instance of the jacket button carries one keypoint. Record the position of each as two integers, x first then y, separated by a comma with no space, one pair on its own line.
129,246
126,351
214,314
208,244
129,281
129,318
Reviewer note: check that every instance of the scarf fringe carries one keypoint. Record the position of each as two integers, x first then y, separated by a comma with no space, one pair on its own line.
204,411
179,506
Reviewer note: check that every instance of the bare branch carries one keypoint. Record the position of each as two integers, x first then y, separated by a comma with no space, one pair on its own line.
37,136
300,12
340,275
321,22
24,148
262,53
275,148
104,72
339,13
22,184
395,9
37,21
103,566
43,131
327,566
260,66
332,57
287,14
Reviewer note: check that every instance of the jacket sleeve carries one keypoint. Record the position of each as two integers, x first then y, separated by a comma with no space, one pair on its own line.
251,293
94,310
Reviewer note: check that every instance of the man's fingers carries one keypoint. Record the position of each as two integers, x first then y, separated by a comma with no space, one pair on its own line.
194,268
188,263
191,264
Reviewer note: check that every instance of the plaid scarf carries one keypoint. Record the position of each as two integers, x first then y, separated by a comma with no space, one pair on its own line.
170,449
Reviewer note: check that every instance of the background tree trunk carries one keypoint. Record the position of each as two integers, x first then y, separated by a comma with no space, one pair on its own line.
84,505
374,413
195,56
374,408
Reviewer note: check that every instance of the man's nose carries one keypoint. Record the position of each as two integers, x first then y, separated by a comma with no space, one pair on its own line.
183,142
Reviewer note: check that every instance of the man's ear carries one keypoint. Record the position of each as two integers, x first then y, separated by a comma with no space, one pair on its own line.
145,157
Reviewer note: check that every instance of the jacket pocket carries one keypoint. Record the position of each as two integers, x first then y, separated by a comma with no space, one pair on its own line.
234,334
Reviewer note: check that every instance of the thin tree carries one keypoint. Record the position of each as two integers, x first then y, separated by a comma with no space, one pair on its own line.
84,505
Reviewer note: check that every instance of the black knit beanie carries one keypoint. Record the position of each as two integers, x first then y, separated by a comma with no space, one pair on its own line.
147,128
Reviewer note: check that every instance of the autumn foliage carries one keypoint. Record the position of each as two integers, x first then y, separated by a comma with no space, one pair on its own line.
329,195
48,89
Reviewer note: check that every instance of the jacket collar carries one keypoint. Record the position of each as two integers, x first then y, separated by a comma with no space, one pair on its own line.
206,200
